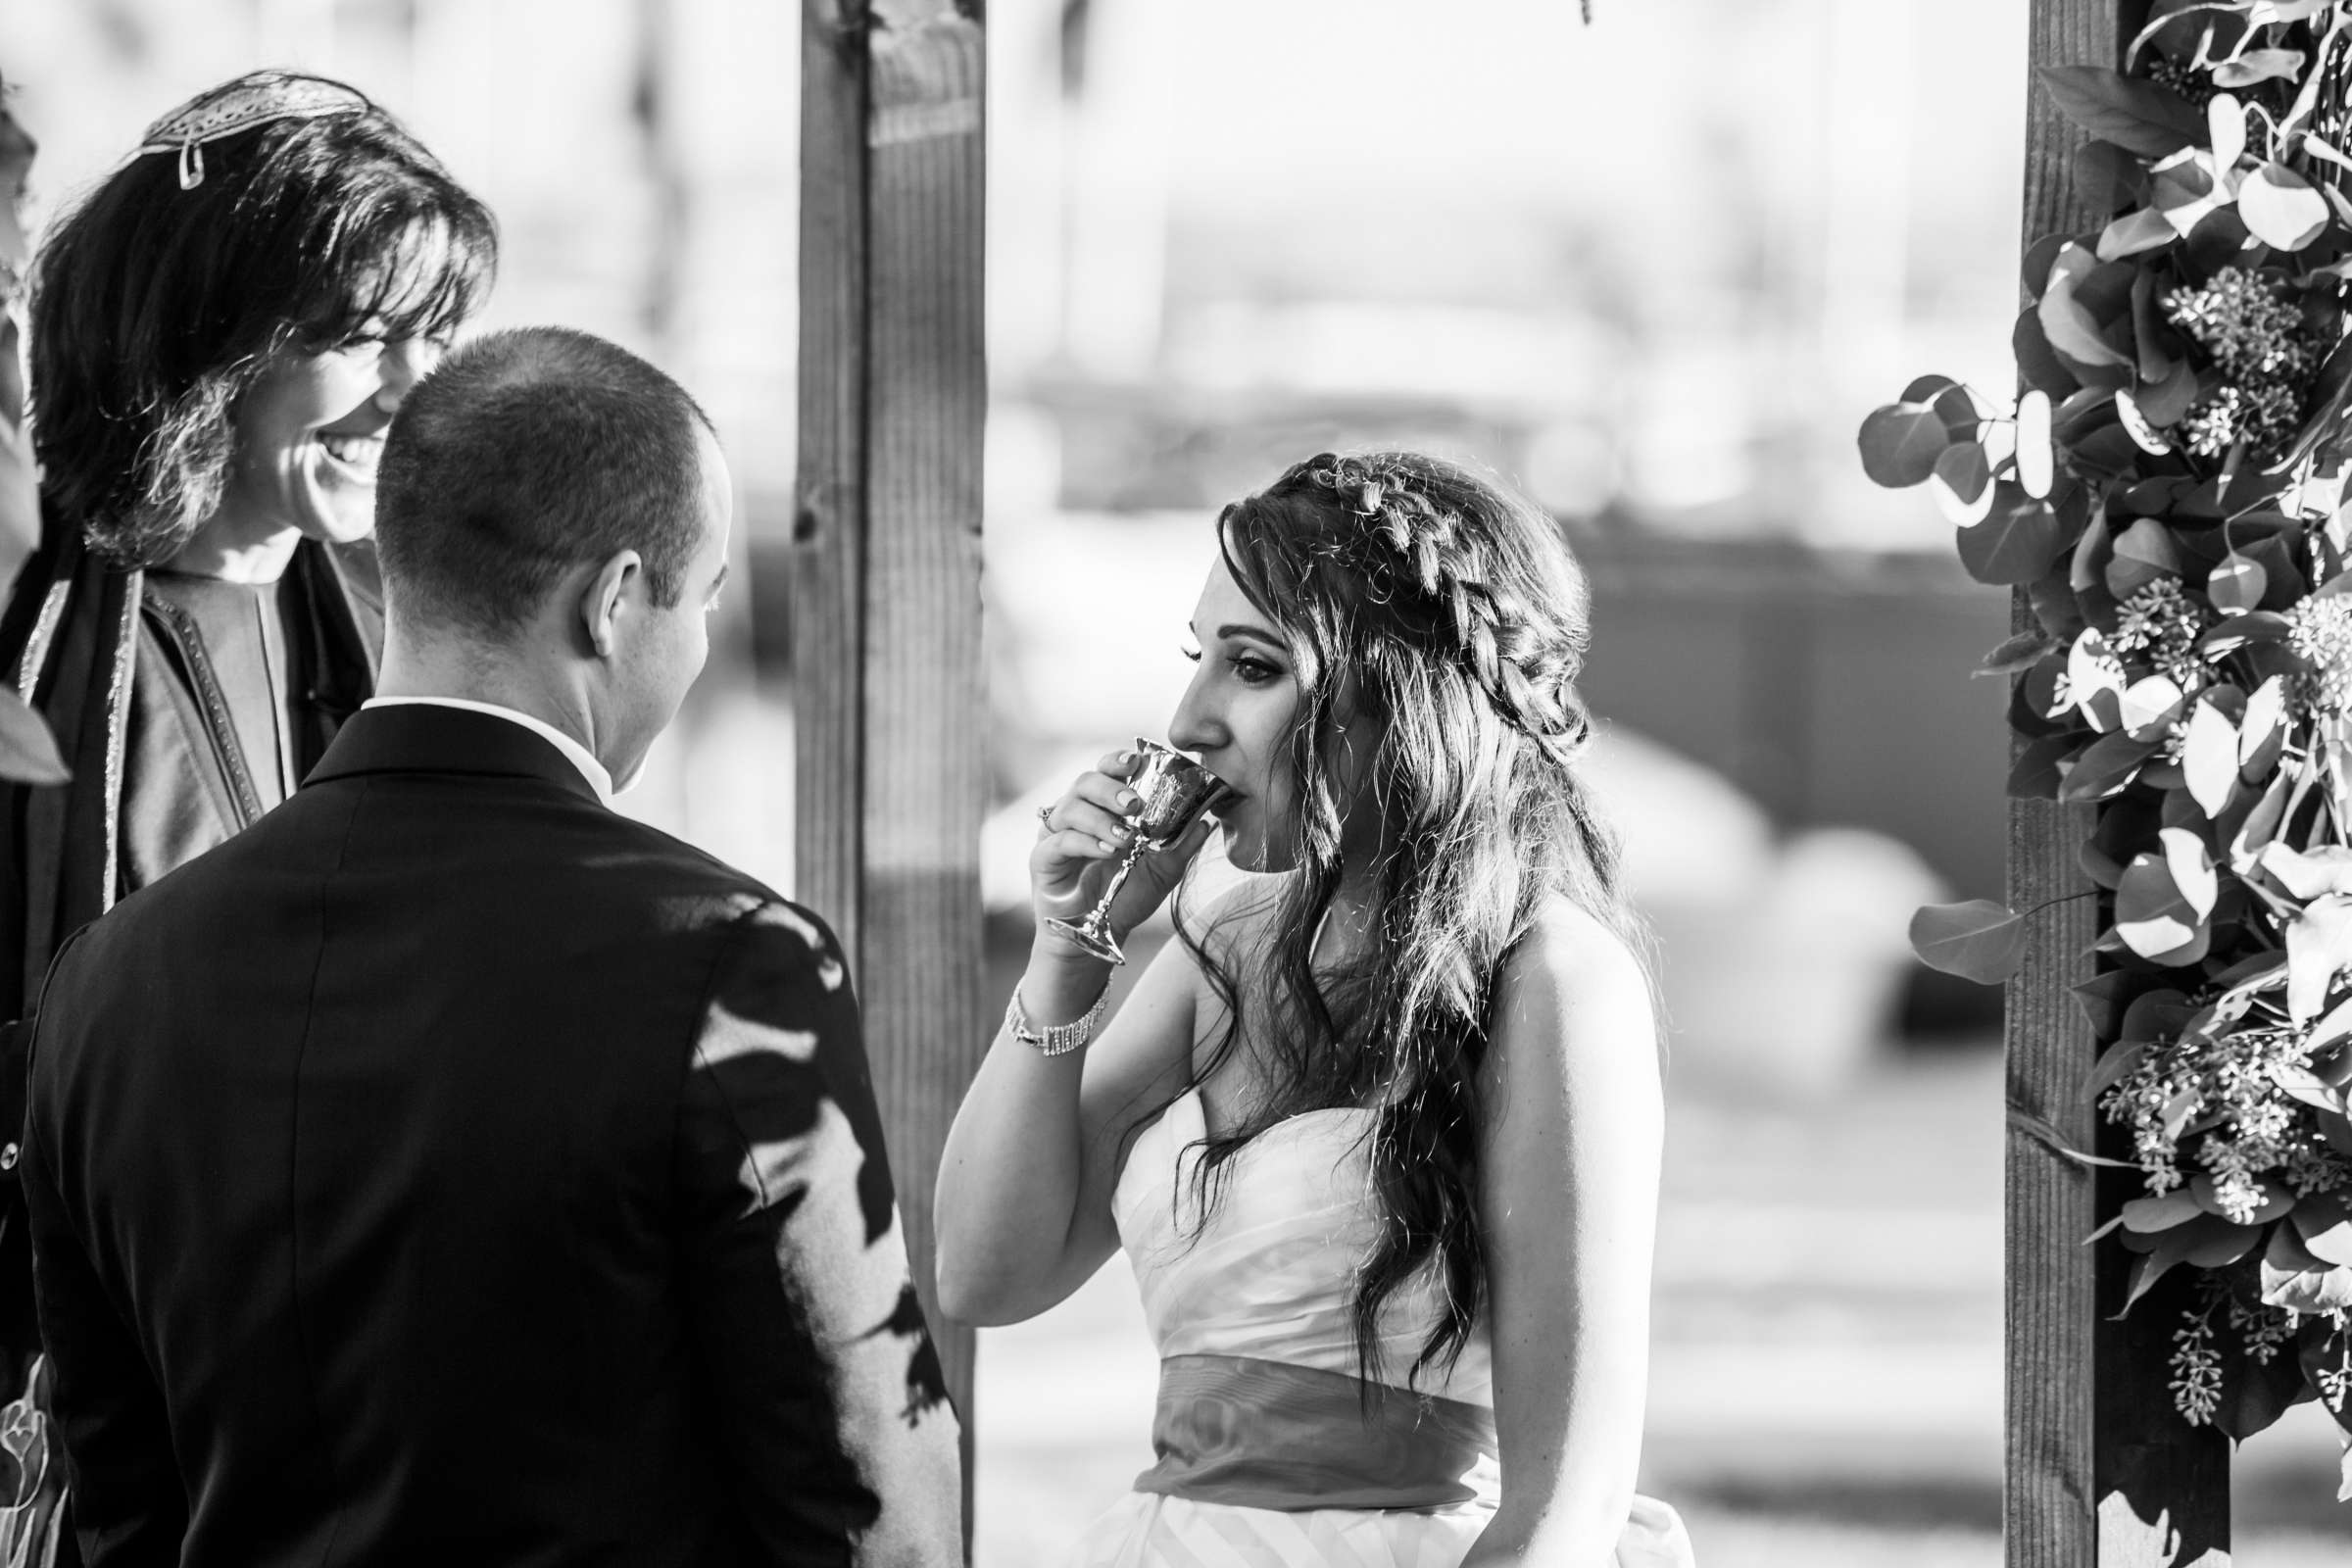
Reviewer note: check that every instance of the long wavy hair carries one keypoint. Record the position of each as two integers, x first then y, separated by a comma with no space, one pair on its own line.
1434,607
155,309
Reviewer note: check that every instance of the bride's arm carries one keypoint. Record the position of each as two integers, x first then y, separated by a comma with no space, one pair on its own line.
1023,1203
1571,1124
1023,1206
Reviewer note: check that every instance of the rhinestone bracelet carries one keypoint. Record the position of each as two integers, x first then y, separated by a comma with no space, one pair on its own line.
1054,1038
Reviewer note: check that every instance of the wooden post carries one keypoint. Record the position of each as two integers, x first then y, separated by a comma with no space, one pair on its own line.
2100,1471
886,622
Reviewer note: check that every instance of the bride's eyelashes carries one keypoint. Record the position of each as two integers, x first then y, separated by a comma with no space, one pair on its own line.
1248,668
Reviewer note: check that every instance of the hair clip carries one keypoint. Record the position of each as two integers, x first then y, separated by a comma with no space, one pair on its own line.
240,105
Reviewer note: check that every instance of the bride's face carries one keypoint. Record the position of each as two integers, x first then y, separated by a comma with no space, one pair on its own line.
1237,715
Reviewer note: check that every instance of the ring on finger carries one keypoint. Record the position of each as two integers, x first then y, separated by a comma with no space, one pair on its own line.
1045,814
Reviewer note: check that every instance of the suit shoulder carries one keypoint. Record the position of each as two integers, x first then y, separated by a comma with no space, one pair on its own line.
700,888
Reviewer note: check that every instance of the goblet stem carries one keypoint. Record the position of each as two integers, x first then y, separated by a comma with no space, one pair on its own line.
1094,933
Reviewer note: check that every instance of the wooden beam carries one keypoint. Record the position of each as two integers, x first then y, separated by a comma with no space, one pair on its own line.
2100,1471
886,627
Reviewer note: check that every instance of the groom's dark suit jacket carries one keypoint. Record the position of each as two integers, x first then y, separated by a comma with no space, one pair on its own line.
448,1170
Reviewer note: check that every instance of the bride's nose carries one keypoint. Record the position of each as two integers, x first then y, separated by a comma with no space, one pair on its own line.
1192,728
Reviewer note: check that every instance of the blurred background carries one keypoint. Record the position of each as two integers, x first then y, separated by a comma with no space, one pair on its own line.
1656,272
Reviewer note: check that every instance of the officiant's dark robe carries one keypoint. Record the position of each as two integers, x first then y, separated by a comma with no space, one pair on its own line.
127,689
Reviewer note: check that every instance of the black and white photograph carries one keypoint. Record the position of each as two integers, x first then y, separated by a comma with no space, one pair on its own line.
1175,783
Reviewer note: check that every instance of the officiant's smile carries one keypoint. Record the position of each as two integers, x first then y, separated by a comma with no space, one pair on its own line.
311,431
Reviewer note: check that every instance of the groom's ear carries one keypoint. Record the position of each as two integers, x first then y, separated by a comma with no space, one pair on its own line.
602,601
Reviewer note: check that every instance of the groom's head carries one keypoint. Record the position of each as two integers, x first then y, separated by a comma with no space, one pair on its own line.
552,505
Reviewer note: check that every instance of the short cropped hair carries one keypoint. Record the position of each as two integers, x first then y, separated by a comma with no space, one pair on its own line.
155,309
526,453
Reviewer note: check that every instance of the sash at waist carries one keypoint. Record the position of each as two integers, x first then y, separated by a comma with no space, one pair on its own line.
1258,1433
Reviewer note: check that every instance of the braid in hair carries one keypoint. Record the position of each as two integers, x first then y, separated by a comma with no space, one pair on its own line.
1452,614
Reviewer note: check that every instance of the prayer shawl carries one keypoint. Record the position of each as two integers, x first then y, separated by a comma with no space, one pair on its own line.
158,779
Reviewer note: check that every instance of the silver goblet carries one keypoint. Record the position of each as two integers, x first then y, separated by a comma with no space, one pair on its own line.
1174,791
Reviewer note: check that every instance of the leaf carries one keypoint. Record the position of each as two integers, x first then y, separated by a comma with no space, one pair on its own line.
2306,1290
2069,326
2095,680
2135,233
2100,997
2259,65
2262,730
2226,131
2131,113
2017,653
2276,1200
1979,940
29,753
2319,944
2144,552
2152,916
2037,363
2035,775
2205,1241
2147,1215
2151,704
2310,873
2035,463
2335,1026
2163,403
2135,425
2182,188
2326,1230
2328,397
2191,868
1962,484
2108,177
2016,543
2107,765
2256,1393
2280,208
1900,444
2254,835
2237,584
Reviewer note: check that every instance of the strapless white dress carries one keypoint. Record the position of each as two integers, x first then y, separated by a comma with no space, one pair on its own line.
1270,1456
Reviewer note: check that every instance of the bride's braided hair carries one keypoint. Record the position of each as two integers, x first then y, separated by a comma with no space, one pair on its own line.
1447,613
1524,664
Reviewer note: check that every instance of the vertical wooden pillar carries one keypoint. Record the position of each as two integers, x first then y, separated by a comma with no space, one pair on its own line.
2100,1471
885,626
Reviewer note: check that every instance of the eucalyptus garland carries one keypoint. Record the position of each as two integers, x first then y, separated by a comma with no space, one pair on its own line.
2168,488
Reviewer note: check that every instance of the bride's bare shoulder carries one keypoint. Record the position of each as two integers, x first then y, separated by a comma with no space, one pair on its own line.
1234,920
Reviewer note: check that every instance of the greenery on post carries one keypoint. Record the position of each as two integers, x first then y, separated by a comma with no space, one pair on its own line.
2169,490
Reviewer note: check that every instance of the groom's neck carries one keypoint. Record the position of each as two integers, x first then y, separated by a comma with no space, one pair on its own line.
439,663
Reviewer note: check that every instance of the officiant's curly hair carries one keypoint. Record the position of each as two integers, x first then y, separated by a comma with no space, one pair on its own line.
156,309
1447,610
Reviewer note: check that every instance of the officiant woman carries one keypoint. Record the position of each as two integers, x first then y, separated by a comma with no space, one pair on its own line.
219,333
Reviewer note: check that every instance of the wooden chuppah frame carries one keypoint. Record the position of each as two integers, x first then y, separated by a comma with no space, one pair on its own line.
2100,1470
888,704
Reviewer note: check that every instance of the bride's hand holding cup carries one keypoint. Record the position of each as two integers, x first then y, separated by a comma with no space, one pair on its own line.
1116,845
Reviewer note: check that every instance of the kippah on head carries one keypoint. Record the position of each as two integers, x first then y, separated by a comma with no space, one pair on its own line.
524,455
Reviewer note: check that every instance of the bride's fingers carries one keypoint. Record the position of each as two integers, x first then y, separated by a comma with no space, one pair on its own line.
1168,863
1104,790
1084,816
1067,847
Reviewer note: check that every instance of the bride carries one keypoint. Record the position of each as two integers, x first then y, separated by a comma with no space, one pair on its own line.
1379,1135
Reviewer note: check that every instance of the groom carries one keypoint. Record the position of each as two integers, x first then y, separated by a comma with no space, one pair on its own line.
449,1169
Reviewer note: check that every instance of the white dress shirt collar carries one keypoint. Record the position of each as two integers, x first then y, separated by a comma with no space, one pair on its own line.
593,771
